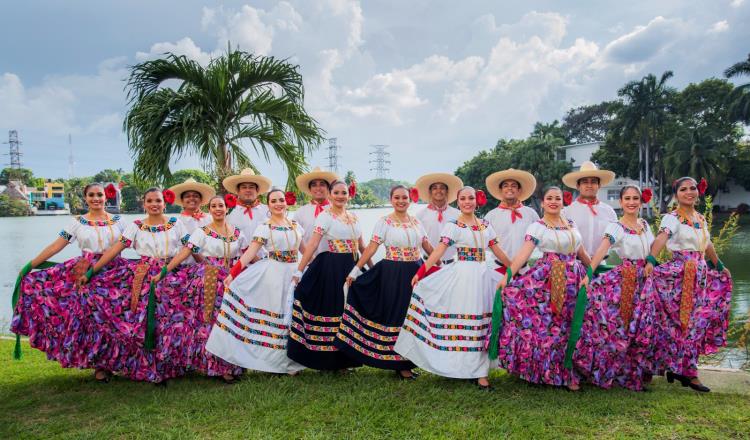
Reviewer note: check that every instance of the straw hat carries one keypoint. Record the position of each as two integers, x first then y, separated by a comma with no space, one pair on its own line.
453,183
588,169
190,184
247,176
303,180
524,178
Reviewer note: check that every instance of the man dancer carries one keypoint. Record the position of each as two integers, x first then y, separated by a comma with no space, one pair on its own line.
249,212
439,190
511,218
587,212
191,195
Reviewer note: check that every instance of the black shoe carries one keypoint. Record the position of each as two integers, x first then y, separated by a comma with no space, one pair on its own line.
161,384
684,381
487,387
105,378
229,381
698,387
402,377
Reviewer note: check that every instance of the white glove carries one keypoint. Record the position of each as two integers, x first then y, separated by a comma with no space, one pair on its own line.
355,273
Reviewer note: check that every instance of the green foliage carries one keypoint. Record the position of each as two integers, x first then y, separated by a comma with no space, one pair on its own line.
108,175
382,187
365,196
199,176
238,101
12,208
739,98
589,123
74,193
23,174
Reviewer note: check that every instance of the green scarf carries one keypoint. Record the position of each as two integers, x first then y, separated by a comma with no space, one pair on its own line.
497,317
577,322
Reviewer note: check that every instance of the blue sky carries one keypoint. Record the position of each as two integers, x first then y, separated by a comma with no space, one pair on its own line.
434,80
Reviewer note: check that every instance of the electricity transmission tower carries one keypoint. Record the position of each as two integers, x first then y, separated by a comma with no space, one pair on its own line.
333,155
380,161
15,156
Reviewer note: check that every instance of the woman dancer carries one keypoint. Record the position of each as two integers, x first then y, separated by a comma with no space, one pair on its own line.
378,299
130,314
694,300
200,288
252,328
318,297
450,311
50,308
539,305
617,331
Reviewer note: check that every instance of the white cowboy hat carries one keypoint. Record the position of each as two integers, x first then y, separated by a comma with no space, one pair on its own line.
452,182
588,169
247,175
303,180
190,184
524,178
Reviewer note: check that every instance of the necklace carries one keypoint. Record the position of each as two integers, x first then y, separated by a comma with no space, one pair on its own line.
694,225
473,236
225,242
291,226
166,239
98,234
400,222
551,225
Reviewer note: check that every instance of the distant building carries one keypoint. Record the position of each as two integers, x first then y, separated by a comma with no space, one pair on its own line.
50,198
727,199
16,190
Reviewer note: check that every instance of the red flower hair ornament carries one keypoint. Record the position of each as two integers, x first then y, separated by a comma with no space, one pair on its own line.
702,186
567,198
352,189
646,195
110,192
481,198
168,196
414,195
291,198
230,200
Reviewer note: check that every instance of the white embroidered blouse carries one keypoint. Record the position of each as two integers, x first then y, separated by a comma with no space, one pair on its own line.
628,243
684,236
554,239
340,234
93,236
159,241
401,241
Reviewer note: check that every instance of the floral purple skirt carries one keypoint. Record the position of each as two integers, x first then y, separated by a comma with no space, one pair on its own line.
51,311
536,320
692,312
201,287
618,329
119,323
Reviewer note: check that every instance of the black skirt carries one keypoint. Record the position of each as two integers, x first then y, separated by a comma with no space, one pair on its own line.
374,313
316,315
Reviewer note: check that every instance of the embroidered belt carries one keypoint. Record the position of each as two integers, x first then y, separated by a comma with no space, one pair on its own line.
283,256
395,253
139,275
210,273
469,254
342,246
688,289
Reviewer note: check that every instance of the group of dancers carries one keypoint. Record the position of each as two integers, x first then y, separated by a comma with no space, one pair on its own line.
243,286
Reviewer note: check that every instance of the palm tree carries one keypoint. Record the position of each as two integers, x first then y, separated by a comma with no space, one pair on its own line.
179,107
740,97
695,152
643,115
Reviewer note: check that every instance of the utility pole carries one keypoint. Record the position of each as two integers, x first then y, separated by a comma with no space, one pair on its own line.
380,161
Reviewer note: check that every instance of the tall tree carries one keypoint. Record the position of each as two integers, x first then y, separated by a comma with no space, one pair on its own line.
589,123
740,96
696,152
238,100
644,115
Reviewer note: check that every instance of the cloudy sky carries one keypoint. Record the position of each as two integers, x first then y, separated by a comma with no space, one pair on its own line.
434,80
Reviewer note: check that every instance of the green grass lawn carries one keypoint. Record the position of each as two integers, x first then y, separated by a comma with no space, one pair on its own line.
38,399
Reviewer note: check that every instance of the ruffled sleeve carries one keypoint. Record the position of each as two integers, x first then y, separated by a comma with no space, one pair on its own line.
613,232
422,232
70,230
378,233
128,235
534,233
669,224
649,232
491,236
196,241
262,232
448,234
322,223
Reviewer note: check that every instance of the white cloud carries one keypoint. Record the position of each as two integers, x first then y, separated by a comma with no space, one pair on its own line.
185,46
644,42
737,3
719,26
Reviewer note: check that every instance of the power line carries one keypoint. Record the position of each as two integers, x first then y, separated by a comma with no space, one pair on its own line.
380,161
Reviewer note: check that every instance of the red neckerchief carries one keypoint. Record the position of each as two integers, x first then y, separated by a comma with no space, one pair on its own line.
249,208
440,211
198,215
589,204
514,213
320,207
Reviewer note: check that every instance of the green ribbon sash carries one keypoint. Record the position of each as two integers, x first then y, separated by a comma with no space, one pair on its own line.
150,342
577,322
497,317
17,294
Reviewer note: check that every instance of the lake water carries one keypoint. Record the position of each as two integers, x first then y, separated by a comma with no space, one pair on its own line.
23,237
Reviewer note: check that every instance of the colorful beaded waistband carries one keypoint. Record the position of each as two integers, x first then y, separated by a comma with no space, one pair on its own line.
395,253
469,254
341,246
283,256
